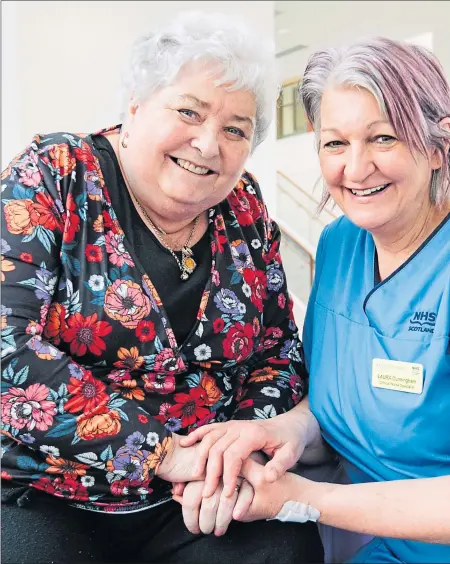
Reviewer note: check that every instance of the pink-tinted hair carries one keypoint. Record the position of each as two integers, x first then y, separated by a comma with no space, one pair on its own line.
409,84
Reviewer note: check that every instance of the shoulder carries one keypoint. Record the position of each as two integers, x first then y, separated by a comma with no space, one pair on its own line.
339,232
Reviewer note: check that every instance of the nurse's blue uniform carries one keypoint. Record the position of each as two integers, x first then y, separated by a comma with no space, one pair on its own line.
381,434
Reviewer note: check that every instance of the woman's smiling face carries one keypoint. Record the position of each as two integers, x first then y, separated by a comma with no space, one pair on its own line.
371,174
188,142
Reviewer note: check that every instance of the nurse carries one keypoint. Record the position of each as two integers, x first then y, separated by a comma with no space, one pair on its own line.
376,335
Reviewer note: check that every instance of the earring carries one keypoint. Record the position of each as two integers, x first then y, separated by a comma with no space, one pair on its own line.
124,141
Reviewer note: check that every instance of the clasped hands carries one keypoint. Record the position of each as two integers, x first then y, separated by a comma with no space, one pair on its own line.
219,472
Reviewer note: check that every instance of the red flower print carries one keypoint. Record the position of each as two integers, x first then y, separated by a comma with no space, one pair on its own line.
56,323
257,281
93,253
218,325
5,475
46,213
245,206
84,333
145,331
166,361
72,223
238,343
45,485
26,257
69,488
189,407
281,301
87,394
142,419
86,156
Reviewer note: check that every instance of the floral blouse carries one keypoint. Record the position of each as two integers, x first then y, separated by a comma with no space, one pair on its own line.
93,379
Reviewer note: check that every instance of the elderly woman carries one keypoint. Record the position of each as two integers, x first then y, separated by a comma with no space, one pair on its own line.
377,330
144,297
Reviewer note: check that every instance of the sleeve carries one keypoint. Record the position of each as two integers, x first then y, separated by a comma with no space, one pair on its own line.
308,324
49,402
277,378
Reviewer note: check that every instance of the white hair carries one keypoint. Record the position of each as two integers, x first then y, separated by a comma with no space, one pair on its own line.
246,61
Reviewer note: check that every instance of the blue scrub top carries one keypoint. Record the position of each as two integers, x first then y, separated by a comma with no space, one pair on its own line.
382,434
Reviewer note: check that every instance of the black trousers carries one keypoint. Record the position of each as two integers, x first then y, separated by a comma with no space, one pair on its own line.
49,531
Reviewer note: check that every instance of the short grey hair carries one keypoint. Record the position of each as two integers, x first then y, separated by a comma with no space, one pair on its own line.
409,85
247,61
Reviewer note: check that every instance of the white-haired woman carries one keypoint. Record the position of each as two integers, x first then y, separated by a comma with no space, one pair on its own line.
144,296
376,335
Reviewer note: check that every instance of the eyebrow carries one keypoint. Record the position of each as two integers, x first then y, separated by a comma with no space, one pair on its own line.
376,122
207,106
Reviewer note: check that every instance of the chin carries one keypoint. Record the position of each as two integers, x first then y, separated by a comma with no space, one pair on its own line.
370,221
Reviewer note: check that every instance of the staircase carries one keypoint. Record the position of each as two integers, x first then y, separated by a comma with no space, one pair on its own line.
301,226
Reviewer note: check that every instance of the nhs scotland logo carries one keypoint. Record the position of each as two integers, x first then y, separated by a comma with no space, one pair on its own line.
423,321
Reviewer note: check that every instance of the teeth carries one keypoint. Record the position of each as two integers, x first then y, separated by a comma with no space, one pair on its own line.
368,191
191,167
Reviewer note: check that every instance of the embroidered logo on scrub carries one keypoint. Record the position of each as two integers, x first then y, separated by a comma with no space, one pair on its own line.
423,321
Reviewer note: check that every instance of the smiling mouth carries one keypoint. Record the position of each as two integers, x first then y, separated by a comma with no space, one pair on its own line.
369,191
191,167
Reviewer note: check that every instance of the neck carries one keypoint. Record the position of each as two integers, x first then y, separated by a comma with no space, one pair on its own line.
396,245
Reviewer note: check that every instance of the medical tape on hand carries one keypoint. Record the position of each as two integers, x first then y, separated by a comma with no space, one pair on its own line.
297,512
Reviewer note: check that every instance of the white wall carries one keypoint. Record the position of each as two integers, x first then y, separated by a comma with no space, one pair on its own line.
61,65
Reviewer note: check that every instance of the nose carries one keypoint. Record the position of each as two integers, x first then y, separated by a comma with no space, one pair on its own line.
359,165
206,141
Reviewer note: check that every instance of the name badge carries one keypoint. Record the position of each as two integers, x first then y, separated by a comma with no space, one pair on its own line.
397,375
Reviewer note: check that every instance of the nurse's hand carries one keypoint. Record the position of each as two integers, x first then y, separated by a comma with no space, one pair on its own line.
226,446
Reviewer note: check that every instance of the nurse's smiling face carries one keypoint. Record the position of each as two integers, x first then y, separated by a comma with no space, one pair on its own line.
370,173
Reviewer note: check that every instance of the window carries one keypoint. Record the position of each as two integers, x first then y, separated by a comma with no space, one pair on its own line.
291,118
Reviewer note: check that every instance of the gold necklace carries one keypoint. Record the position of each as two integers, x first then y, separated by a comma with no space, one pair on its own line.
187,265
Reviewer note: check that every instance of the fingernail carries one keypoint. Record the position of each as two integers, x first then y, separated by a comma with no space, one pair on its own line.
218,532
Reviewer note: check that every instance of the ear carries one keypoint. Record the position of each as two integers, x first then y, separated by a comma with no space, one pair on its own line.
132,107
436,158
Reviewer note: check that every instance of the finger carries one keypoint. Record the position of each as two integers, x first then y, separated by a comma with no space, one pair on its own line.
244,500
198,434
203,448
178,499
283,459
178,488
191,501
225,513
253,473
214,466
208,512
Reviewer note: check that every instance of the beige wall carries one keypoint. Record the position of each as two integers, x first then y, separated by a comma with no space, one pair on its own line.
62,62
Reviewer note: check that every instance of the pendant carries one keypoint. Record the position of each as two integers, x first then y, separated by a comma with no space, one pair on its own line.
189,264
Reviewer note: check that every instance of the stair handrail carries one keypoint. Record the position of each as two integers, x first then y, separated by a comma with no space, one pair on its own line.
316,202
303,243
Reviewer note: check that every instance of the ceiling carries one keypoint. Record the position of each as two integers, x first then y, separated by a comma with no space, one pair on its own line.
317,23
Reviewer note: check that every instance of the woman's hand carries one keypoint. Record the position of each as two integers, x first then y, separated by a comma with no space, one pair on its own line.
225,446
181,464
215,513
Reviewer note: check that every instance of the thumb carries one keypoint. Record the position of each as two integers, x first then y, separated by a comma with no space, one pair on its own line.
283,459
178,488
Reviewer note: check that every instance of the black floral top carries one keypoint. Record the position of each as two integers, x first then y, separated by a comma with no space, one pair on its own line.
93,379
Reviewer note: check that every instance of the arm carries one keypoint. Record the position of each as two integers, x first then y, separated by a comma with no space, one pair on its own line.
61,406
409,509
277,379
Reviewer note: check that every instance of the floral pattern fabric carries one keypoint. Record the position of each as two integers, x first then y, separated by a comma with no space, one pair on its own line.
93,380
